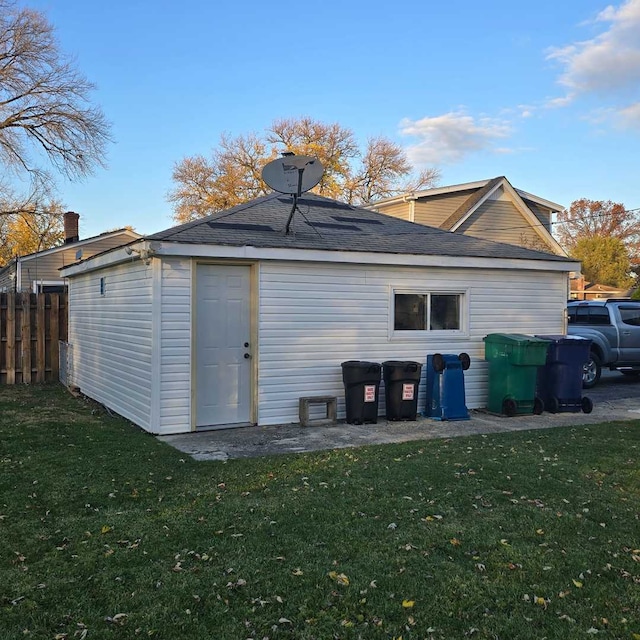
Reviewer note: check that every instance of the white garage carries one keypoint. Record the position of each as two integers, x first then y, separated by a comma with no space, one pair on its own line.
228,321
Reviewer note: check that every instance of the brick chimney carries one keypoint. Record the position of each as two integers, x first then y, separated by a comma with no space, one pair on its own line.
71,227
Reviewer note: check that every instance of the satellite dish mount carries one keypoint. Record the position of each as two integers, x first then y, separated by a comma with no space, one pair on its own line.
293,175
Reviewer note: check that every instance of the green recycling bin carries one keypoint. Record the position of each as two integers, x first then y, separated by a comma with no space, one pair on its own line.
514,359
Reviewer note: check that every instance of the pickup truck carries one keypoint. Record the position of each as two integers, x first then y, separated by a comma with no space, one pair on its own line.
613,326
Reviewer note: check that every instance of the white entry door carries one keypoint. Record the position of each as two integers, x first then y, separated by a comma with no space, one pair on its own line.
222,346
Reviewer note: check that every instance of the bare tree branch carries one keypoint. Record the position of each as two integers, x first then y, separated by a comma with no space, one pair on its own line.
44,101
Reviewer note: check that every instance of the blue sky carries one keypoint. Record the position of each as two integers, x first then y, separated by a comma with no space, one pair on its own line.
546,93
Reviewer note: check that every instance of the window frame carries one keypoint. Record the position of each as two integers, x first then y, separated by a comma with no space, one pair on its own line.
39,286
433,334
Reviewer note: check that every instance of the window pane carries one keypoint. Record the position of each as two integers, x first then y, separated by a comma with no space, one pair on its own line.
410,312
445,312
630,315
598,315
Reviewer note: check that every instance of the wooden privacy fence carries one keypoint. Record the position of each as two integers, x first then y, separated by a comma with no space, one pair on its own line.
31,326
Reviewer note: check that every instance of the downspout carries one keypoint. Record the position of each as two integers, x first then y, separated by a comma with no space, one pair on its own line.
18,282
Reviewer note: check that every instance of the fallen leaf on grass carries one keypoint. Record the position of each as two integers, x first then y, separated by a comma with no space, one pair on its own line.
340,578
407,604
577,583
119,618
297,572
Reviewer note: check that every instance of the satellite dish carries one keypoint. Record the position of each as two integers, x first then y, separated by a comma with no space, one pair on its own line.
293,174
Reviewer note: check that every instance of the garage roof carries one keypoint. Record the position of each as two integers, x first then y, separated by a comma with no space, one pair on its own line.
325,224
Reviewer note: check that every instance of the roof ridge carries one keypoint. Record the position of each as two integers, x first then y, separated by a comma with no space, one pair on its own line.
470,202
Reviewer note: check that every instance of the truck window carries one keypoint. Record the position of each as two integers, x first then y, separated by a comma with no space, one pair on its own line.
630,315
598,316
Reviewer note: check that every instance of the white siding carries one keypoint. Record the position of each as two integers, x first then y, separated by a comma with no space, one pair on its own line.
315,316
111,338
175,375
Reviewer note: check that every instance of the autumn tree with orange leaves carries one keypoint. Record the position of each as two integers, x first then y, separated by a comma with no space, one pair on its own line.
232,173
590,230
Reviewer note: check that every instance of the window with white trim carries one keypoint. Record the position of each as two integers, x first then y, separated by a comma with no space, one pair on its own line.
433,311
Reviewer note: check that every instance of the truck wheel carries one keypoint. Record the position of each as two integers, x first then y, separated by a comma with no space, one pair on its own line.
591,371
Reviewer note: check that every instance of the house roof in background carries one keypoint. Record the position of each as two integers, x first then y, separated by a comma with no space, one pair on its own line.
324,224
465,186
80,243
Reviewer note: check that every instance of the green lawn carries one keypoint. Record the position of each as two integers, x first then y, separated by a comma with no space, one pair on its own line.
107,533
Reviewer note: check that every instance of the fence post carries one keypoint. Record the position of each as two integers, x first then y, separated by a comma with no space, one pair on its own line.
42,339
26,338
54,335
11,338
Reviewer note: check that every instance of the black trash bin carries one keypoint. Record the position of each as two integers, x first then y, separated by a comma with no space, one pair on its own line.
559,381
401,381
361,386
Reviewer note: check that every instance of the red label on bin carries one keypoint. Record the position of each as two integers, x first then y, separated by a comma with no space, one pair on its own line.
369,392
407,391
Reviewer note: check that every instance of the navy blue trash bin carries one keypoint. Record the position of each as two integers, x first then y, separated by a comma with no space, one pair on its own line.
559,381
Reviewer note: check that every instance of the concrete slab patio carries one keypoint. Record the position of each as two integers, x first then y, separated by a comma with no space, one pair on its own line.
249,442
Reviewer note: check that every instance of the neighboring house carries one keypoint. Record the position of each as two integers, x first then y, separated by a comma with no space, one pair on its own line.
583,290
490,209
227,321
39,272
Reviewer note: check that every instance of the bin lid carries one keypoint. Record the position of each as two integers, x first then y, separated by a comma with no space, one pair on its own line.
564,339
513,338
359,364
400,363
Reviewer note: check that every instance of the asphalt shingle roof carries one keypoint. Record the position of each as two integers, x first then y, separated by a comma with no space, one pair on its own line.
324,224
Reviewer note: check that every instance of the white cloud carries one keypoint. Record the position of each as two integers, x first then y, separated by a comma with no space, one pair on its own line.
629,117
608,62
450,137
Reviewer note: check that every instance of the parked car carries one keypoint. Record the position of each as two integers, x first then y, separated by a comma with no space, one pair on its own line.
613,326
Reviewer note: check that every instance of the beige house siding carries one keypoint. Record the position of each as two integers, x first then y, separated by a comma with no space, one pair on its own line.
435,210
543,214
6,281
501,221
44,267
401,210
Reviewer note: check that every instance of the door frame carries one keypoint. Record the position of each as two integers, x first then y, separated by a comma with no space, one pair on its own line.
253,331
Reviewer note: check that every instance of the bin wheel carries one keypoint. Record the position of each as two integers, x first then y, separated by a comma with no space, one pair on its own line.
438,362
554,405
538,406
509,407
587,405
465,360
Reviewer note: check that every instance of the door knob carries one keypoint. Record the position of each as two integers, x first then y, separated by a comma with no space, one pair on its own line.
246,344
247,356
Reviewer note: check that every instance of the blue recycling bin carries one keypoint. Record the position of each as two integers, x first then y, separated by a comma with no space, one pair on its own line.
445,386
559,381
